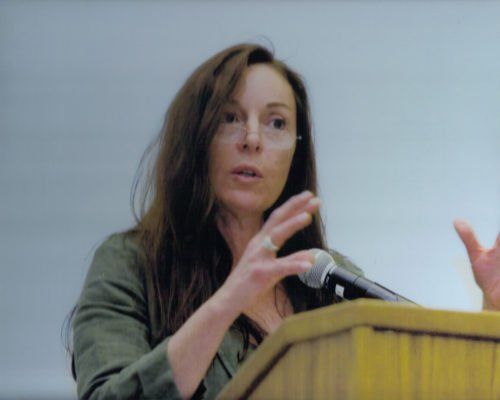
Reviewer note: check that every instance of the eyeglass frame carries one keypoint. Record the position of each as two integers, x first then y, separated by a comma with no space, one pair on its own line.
242,129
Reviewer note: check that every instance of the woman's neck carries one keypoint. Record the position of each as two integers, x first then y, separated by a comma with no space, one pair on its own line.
274,305
270,310
238,230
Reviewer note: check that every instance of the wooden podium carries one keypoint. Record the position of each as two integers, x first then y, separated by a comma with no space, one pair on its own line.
367,349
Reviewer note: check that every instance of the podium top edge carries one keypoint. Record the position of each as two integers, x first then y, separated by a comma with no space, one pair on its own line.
379,314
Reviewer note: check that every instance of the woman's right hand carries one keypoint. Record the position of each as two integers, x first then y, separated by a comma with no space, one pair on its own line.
192,348
259,269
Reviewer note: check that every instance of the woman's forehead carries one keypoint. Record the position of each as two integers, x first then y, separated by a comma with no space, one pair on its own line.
263,83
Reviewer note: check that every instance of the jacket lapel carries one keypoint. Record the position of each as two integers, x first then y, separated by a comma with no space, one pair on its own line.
230,348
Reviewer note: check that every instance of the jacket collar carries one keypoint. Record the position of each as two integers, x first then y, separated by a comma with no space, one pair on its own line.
231,350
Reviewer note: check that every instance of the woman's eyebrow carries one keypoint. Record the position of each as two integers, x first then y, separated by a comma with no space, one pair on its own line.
278,104
272,104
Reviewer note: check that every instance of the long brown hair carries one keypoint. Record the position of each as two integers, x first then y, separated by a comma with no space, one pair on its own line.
186,257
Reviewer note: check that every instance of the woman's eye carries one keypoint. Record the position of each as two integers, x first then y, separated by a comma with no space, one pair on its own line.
278,123
230,118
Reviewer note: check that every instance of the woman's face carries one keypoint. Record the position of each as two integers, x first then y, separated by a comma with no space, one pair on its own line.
251,153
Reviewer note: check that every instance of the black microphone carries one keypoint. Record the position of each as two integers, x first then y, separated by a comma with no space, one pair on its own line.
326,274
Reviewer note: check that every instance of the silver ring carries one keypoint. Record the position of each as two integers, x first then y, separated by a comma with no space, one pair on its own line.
268,244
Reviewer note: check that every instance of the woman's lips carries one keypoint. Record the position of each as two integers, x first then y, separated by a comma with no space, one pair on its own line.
247,170
244,178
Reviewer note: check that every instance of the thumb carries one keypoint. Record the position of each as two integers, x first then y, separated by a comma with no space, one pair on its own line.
464,230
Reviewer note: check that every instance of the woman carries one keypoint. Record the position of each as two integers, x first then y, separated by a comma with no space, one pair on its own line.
171,308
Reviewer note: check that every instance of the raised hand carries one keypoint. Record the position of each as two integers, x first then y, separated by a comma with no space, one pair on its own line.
192,348
259,269
485,264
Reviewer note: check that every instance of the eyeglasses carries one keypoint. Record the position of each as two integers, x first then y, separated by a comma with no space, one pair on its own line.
275,133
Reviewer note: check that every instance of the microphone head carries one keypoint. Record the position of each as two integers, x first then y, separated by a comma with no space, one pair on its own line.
323,263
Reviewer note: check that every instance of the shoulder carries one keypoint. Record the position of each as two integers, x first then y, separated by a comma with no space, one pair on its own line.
118,253
123,244
117,263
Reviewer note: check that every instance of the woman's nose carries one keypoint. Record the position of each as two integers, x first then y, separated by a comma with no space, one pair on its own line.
252,139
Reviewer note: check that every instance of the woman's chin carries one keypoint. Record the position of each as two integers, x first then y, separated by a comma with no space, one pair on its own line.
246,204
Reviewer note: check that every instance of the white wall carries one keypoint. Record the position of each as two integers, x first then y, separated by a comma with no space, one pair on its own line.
405,100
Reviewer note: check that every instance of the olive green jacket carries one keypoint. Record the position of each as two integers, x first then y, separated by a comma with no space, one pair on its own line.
118,352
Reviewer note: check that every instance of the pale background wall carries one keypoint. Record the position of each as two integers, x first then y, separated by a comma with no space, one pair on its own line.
405,99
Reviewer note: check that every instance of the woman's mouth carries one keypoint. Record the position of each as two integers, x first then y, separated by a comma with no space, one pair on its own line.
247,173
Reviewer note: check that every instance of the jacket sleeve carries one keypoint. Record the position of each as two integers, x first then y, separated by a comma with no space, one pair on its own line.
113,357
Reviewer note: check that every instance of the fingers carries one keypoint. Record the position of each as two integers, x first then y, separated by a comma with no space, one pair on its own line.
291,217
285,230
295,263
302,255
290,208
468,236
